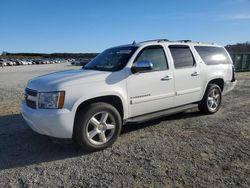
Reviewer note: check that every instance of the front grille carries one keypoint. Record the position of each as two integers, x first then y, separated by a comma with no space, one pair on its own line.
31,98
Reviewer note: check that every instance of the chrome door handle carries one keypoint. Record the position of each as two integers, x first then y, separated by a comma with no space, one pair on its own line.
195,74
167,78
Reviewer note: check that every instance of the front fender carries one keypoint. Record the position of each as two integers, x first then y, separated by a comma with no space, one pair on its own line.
103,94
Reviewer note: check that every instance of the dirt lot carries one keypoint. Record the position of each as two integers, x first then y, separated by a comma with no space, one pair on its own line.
184,150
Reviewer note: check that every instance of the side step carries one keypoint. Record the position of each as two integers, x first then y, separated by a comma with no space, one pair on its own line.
155,115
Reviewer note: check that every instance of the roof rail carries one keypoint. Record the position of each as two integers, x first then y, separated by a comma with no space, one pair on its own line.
166,40
162,40
156,40
185,41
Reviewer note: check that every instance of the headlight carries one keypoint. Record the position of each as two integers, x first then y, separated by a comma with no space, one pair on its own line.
51,100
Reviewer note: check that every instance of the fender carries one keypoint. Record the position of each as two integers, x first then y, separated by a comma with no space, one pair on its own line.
216,75
103,94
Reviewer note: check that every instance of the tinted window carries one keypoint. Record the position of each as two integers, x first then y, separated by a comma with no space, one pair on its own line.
156,55
182,56
213,55
113,59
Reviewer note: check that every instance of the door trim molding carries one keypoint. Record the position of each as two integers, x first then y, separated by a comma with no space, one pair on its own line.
193,90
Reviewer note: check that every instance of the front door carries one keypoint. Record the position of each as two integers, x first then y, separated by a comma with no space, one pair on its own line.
154,90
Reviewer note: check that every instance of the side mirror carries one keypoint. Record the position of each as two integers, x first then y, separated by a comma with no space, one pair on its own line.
142,66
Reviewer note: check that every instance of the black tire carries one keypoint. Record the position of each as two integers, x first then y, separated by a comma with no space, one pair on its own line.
83,126
205,104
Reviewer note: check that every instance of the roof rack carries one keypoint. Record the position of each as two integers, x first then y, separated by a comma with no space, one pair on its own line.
156,40
162,40
181,41
185,41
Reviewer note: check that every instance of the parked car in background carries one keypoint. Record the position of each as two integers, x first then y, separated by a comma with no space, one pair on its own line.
33,62
18,62
9,63
24,62
3,63
29,62
80,62
37,61
76,62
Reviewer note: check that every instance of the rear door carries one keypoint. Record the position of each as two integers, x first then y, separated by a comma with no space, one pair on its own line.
186,74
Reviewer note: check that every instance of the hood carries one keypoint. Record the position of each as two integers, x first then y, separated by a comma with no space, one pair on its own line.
57,80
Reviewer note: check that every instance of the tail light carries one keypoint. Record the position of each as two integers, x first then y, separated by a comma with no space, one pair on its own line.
233,74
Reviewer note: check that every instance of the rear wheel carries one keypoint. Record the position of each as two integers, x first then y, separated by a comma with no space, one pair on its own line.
97,126
211,101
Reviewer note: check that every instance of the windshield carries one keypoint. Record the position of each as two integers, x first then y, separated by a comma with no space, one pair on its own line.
113,59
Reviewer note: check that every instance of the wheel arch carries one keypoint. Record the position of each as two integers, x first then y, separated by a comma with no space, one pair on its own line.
113,100
217,81
203,104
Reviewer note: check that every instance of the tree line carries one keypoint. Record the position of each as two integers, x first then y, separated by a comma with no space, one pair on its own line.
239,47
234,48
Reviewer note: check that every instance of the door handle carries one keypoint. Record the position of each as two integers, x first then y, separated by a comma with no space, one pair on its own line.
167,78
195,74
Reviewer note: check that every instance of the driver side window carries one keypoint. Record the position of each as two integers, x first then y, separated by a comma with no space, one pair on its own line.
155,55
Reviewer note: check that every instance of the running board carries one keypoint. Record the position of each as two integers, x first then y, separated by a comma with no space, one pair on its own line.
155,115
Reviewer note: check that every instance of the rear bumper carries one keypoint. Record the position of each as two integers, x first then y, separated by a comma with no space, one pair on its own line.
228,86
53,123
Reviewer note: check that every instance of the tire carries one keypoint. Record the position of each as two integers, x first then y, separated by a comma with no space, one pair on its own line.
97,126
211,101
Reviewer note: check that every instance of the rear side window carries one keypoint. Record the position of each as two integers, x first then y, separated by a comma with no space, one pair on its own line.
213,55
156,55
182,56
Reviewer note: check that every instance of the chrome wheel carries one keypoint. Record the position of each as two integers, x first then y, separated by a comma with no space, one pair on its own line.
100,128
214,99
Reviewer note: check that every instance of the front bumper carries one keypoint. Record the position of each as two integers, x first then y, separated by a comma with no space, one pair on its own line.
228,86
50,122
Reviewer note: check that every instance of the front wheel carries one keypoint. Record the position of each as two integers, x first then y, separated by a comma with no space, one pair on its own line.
211,101
97,126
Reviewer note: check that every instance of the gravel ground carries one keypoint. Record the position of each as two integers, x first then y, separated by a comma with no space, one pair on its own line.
184,150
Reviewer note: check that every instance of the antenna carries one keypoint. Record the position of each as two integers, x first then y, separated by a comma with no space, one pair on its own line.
134,42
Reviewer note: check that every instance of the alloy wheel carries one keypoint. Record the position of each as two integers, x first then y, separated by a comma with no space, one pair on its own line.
100,128
214,99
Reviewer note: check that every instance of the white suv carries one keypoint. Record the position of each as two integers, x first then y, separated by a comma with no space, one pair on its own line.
130,83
